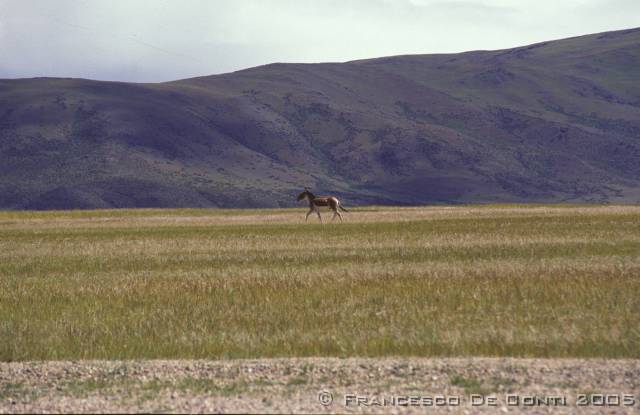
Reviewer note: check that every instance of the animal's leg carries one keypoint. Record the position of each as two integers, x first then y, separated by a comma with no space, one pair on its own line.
334,207
319,217
308,213
339,215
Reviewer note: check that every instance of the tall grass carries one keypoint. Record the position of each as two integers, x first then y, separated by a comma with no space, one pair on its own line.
494,281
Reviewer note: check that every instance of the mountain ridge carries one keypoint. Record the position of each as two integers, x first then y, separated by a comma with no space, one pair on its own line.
555,121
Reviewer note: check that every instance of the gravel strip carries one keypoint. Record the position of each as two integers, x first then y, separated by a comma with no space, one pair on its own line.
387,385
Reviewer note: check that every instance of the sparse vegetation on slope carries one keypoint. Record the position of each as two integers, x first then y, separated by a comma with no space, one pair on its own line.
556,121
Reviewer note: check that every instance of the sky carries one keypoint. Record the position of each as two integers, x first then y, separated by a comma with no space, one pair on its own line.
162,40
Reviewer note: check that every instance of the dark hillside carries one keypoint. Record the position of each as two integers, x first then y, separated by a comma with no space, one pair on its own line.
551,122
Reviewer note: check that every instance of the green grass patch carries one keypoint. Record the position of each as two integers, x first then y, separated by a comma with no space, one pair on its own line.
471,386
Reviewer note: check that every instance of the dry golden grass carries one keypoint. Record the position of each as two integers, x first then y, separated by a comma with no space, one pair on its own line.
491,280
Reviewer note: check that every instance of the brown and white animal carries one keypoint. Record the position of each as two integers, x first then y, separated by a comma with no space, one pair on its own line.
321,201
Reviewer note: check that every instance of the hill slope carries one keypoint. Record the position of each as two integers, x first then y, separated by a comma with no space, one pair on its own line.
555,121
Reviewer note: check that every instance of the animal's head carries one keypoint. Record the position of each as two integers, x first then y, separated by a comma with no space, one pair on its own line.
304,195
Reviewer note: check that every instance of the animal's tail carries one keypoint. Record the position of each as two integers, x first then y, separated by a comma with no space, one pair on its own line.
342,208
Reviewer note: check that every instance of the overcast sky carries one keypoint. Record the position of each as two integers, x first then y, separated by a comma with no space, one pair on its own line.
160,40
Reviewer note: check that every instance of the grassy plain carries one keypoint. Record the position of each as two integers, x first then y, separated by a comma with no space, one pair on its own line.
435,281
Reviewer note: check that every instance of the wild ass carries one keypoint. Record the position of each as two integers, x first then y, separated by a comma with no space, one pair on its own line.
316,202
